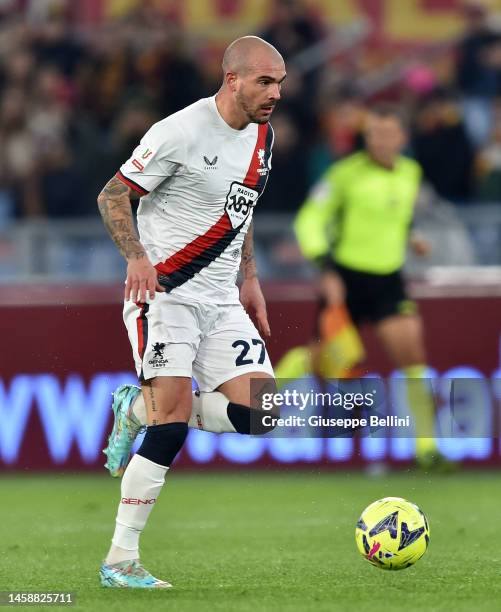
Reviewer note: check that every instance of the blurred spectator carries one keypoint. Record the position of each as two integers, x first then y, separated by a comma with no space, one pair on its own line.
75,101
442,147
132,123
420,80
18,68
175,73
478,70
292,27
287,184
341,119
140,60
17,157
163,69
50,108
105,76
61,184
54,44
489,162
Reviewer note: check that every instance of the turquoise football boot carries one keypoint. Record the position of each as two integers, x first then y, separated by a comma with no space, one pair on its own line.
125,430
129,575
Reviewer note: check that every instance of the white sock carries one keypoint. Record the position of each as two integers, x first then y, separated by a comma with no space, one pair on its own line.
209,412
141,486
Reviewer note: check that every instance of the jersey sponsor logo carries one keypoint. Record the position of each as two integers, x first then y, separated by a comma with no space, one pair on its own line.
239,203
210,164
147,154
138,165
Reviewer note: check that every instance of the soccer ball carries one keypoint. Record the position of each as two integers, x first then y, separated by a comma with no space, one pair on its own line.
392,533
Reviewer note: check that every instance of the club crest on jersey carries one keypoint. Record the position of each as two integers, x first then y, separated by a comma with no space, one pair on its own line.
263,166
239,203
210,164
158,360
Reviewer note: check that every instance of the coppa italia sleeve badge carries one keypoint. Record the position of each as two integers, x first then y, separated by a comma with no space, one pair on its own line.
139,161
239,203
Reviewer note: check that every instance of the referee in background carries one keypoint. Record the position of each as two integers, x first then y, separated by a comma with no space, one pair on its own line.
355,225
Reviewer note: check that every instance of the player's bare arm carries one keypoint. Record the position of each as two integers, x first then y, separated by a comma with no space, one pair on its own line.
251,295
248,263
114,203
115,208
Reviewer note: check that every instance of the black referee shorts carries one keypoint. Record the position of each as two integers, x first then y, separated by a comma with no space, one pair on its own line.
370,298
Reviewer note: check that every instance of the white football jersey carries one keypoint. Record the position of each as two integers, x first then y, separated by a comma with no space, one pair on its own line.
199,180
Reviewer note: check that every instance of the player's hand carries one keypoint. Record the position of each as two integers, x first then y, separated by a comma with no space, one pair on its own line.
420,245
332,288
252,299
142,280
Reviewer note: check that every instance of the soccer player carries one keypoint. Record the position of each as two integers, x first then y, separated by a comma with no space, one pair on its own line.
199,174
355,225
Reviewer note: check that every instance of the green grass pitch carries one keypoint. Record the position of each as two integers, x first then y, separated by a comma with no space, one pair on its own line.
282,541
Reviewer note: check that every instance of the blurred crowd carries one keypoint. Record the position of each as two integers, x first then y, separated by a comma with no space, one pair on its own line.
74,103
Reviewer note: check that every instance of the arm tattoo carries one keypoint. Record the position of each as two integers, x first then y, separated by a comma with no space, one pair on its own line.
114,206
248,263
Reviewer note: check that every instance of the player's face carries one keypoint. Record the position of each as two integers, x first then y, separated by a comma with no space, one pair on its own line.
258,91
385,138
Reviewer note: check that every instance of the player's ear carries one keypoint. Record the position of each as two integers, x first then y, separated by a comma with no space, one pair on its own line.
231,81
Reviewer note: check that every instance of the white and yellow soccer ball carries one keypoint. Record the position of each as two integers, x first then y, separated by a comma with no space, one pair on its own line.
392,533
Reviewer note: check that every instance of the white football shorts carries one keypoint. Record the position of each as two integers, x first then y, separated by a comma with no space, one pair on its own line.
213,343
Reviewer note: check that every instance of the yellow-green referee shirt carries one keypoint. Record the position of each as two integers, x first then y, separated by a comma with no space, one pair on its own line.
359,214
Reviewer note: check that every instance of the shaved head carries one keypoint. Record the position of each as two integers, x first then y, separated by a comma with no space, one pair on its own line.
249,52
253,73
